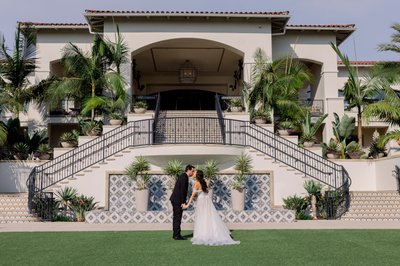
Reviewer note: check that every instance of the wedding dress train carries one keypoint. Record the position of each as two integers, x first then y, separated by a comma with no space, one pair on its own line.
209,229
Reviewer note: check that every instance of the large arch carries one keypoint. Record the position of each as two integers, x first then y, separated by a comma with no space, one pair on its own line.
156,68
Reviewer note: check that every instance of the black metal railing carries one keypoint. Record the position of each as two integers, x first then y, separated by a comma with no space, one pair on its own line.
396,173
192,130
220,115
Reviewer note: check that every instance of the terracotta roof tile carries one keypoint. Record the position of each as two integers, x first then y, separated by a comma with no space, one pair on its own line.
186,12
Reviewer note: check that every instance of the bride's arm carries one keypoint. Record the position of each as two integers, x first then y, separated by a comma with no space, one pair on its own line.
185,206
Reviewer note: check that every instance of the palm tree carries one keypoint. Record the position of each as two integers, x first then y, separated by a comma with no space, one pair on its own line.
3,134
357,92
86,77
276,85
15,69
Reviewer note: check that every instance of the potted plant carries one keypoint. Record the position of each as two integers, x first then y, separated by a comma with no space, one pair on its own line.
242,167
235,105
44,151
331,150
116,119
309,129
314,191
82,204
20,151
173,168
137,171
354,150
91,128
261,116
140,107
68,140
285,127
210,169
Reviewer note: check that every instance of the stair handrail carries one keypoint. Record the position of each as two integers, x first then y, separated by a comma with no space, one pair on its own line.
220,115
140,133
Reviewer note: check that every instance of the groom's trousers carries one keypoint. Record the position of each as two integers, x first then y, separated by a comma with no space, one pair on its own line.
177,218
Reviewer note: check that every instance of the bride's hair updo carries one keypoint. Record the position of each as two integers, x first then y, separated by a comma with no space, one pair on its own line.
200,178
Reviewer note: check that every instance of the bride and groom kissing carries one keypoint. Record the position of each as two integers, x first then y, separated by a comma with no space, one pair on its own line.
209,229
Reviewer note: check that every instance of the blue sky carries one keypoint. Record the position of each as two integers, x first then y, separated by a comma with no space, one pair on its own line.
373,18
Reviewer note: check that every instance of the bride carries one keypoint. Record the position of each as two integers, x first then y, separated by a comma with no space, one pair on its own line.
208,226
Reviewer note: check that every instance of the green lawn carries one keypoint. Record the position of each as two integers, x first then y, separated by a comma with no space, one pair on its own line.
260,247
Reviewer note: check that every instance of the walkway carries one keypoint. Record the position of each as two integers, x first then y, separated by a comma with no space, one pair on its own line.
74,226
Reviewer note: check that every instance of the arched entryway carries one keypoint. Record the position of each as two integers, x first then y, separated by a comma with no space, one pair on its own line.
187,99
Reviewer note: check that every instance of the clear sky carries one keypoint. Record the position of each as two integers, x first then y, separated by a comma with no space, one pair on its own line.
373,18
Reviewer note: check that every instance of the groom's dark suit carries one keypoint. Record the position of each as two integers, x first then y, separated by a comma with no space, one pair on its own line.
178,197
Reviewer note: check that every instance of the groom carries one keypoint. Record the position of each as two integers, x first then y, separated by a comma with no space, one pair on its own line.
178,198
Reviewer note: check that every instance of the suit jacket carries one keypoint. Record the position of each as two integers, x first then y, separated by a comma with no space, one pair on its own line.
179,194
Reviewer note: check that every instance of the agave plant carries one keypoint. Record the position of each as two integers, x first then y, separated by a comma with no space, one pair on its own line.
138,172
21,151
295,203
65,197
173,168
210,169
309,129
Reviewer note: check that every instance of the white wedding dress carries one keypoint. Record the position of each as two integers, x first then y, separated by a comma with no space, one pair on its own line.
209,229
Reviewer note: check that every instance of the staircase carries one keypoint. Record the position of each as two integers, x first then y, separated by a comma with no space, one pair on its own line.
14,209
374,206
191,128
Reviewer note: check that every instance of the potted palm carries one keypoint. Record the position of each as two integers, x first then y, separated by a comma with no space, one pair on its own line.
173,168
140,107
235,105
20,151
116,119
68,140
242,167
137,171
44,151
285,127
309,129
82,204
210,169
261,116
91,128
314,190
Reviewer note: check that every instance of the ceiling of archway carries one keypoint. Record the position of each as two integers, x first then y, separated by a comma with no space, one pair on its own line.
169,57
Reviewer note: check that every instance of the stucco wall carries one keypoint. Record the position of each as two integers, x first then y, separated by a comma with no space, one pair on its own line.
13,175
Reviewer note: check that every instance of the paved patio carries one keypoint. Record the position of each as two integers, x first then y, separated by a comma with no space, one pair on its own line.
75,226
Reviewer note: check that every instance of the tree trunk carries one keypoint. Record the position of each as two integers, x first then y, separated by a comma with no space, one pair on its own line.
314,205
359,127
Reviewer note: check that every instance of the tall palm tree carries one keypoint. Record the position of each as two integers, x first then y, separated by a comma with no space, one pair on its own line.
357,92
276,85
85,77
15,69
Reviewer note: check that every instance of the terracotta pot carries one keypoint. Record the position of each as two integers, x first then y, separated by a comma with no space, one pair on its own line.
44,156
65,144
355,155
283,132
332,155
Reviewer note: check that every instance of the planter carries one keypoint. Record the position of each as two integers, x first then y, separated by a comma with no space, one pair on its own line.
236,109
115,122
92,132
237,198
44,156
66,144
308,144
332,155
142,200
139,110
355,155
283,132
260,120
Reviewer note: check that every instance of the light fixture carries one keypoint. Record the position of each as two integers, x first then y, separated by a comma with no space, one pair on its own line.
187,72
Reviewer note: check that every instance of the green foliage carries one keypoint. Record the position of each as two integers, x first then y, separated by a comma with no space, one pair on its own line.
295,203
243,166
68,137
65,197
235,102
210,169
304,216
140,104
45,148
309,129
81,204
62,218
92,127
312,187
342,129
3,134
138,172
259,114
173,168
353,147
20,151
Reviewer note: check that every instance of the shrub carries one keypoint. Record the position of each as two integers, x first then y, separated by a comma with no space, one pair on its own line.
295,203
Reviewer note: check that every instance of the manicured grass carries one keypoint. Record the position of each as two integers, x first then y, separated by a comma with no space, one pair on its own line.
261,247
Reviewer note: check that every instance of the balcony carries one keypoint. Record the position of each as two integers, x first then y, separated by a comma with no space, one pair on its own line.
315,107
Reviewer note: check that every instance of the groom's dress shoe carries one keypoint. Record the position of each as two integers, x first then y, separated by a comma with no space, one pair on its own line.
179,238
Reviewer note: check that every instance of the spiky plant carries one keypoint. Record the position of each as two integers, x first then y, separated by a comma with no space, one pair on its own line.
65,197
309,129
242,167
313,189
82,204
138,172
211,170
173,168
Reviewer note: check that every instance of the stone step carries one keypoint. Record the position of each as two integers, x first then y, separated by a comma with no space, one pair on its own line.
373,198
19,220
14,212
16,216
352,218
382,208
375,193
13,199
373,202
